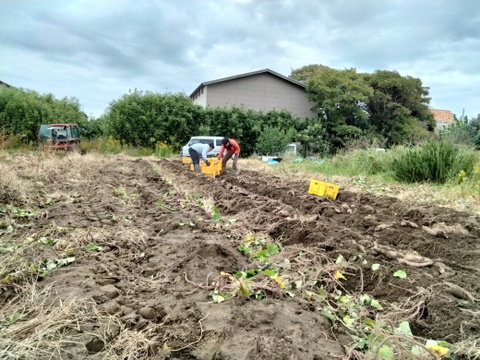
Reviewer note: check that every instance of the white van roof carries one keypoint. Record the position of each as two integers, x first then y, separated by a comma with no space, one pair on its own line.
206,136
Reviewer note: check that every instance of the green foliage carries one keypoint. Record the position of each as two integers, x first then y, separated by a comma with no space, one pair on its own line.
338,94
399,107
313,139
47,265
353,163
434,162
142,119
463,132
163,150
273,140
350,105
401,274
22,112
92,247
246,126
216,213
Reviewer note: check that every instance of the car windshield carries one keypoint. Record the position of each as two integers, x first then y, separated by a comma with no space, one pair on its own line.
59,130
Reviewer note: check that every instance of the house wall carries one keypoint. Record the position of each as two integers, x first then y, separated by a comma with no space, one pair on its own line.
442,125
200,96
262,92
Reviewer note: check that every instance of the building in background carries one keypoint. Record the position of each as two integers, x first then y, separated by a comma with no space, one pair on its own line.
262,90
443,118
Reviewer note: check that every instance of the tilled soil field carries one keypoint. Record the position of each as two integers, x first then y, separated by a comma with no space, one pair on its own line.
114,258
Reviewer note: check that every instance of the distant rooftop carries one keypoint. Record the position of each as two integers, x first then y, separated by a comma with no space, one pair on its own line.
5,84
298,83
442,115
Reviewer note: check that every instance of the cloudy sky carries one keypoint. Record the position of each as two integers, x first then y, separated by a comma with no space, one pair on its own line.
97,50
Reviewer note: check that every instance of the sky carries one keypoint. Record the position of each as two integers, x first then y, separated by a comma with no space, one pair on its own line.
98,50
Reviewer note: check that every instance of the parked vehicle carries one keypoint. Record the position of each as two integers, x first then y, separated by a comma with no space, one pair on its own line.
59,137
216,140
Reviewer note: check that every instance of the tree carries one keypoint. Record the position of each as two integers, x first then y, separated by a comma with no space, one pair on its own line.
351,105
308,72
398,107
145,118
274,140
23,111
340,96
313,139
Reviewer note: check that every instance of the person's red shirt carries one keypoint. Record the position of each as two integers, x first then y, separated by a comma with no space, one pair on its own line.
234,147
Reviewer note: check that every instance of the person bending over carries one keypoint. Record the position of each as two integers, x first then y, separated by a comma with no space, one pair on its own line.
231,149
199,150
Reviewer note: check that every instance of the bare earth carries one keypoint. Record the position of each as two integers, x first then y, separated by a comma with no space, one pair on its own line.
165,249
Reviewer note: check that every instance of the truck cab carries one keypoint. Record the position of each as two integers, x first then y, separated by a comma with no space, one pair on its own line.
59,137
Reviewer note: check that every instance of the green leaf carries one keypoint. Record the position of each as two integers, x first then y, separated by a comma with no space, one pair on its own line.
340,259
404,329
259,295
420,352
375,267
92,247
244,249
376,304
369,322
272,249
14,317
402,274
365,299
65,262
216,213
251,273
298,284
269,272
261,254
386,353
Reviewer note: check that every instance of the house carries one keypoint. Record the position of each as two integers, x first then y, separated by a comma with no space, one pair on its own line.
443,118
262,90
5,84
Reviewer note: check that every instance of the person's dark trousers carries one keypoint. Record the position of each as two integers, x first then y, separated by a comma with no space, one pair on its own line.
195,159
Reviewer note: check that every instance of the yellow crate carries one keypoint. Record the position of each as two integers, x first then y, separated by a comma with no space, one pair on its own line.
210,171
323,189
186,160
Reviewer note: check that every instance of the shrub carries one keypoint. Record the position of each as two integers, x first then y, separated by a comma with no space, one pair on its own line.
109,145
274,140
434,162
163,150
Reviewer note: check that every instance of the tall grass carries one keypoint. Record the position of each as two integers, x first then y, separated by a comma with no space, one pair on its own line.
352,163
436,162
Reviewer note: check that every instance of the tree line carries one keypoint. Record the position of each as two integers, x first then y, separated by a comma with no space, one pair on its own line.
379,109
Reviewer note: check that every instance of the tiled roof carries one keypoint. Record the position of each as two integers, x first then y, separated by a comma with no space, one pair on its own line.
442,115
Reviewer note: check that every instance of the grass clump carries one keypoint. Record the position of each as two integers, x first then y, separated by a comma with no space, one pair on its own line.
436,162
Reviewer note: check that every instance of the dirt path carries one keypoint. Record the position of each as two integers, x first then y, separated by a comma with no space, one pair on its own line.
155,246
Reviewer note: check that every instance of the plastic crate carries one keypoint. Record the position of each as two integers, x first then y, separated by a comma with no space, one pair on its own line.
212,170
186,160
323,189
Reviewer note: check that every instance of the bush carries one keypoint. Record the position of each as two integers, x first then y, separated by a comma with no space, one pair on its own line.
434,162
273,141
162,150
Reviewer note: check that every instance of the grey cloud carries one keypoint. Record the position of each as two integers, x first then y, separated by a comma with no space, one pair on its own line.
114,45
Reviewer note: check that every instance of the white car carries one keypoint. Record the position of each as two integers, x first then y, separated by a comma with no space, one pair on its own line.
216,140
